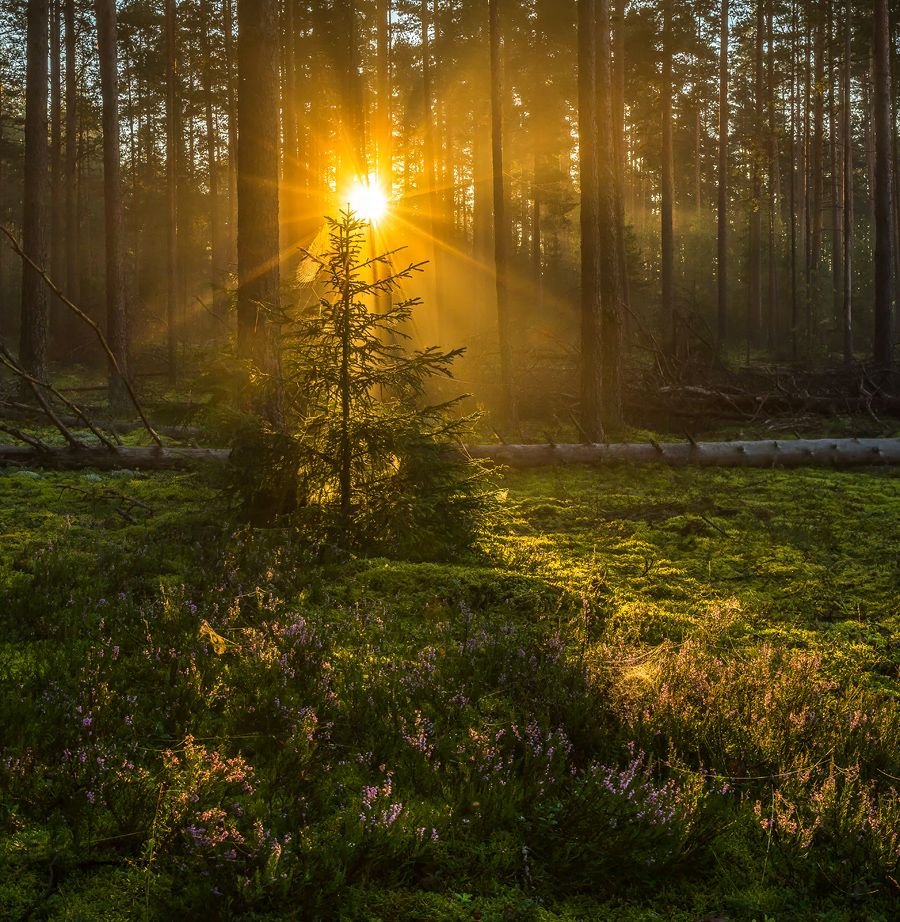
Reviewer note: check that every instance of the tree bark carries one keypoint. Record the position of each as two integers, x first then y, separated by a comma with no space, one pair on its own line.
768,454
501,227
116,310
847,139
611,230
722,234
173,132
667,231
882,348
33,330
258,229
588,134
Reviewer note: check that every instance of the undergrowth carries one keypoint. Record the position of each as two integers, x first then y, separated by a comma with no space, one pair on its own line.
649,694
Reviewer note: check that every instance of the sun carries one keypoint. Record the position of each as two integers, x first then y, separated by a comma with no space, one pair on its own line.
368,200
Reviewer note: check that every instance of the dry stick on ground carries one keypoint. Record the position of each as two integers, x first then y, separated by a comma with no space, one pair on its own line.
113,496
80,313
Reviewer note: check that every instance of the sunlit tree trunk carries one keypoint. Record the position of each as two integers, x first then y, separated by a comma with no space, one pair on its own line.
501,226
667,192
432,223
33,329
722,235
228,23
217,260
73,273
588,135
116,309
611,229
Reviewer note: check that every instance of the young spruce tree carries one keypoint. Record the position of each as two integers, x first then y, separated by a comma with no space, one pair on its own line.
370,464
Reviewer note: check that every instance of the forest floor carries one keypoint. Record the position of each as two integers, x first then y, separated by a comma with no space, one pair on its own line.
651,694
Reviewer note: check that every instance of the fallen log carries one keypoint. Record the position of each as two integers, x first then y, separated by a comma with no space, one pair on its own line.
137,459
768,453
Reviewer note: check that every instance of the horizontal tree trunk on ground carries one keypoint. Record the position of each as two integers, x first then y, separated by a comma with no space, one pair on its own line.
790,453
768,453
138,459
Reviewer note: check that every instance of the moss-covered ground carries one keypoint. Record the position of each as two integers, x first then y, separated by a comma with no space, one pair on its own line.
652,694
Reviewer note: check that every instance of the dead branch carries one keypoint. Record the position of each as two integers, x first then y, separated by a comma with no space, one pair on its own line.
91,323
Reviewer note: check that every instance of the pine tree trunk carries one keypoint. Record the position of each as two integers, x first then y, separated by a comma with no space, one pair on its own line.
754,303
609,202
259,101
882,349
722,233
501,227
667,232
116,310
231,95
173,132
588,135
33,329
73,224
847,138
57,212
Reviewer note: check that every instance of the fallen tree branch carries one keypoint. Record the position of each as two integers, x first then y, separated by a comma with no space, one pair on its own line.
769,453
91,323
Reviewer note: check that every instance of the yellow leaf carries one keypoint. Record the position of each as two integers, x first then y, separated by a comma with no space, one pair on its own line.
217,640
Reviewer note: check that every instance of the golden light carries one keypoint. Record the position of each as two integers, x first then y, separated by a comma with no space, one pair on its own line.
368,200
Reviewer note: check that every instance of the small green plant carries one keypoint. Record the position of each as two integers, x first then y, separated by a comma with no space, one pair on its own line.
365,460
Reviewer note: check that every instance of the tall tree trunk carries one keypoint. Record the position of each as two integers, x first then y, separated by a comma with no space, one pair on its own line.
817,175
501,226
217,261
116,310
383,134
774,182
754,304
722,261
667,232
433,221
73,273
57,213
847,137
173,132
611,229
588,134
231,96
618,127
33,329
835,156
259,276
795,107
882,347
